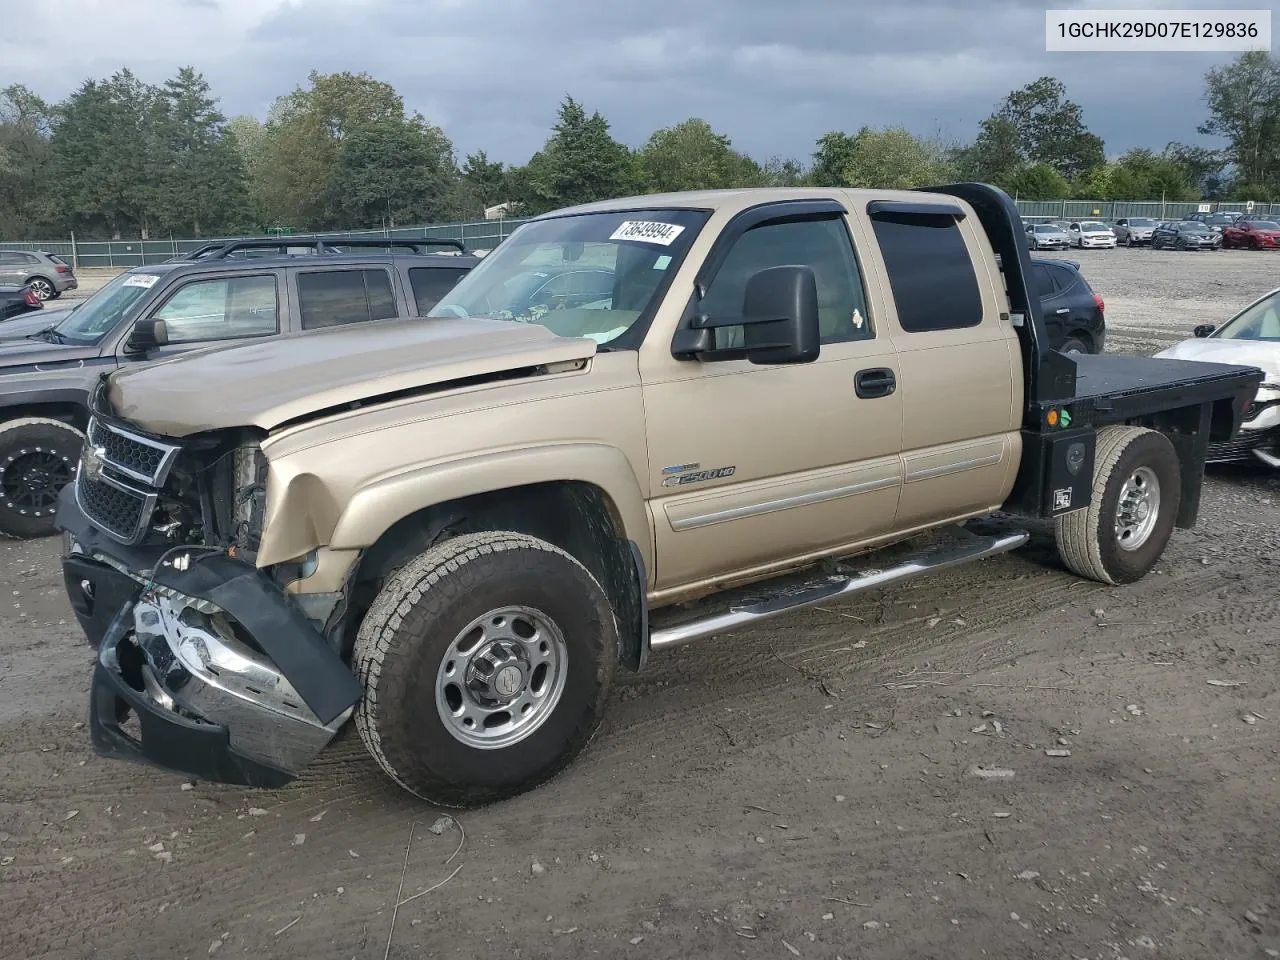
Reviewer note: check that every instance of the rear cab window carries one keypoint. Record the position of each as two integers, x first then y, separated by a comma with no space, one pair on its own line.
331,298
931,272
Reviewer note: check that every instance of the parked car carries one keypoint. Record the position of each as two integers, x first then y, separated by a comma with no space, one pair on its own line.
1214,221
1073,312
455,535
16,301
48,364
1184,235
1250,337
1048,236
1134,231
1251,234
48,275
1091,234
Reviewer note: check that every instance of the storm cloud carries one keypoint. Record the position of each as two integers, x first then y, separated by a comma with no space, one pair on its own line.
772,75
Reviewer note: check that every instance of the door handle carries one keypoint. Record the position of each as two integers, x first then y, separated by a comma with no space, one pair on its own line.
876,382
1063,310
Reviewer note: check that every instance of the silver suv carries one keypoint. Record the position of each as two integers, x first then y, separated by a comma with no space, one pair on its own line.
1132,231
48,276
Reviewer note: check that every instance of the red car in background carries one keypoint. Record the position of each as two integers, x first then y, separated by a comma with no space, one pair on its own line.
1254,234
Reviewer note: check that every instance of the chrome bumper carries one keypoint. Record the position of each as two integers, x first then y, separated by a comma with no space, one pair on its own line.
182,656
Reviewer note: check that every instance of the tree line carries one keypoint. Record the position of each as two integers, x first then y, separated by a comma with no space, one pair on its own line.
123,158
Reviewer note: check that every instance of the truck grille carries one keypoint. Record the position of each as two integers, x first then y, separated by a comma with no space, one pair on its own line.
1241,446
117,510
135,456
119,480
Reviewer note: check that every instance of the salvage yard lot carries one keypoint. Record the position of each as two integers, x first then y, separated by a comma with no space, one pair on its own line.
811,786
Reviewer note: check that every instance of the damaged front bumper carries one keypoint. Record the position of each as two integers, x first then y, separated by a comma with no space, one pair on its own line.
205,667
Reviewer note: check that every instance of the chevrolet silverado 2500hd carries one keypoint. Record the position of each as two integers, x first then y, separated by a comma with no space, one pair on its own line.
455,530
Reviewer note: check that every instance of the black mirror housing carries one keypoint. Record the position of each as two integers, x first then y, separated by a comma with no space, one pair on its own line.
780,316
1204,330
147,335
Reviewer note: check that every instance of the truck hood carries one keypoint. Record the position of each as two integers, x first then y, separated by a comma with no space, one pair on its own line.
1250,353
278,379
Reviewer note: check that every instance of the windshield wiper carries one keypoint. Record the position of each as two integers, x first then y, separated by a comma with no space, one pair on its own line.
49,335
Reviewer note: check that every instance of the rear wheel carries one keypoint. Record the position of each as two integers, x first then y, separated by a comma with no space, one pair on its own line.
38,457
1074,345
42,288
487,662
1137,486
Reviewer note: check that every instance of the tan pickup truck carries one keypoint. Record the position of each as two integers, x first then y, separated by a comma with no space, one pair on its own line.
457,528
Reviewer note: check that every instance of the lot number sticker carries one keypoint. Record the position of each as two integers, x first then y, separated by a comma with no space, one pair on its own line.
648,231
141,280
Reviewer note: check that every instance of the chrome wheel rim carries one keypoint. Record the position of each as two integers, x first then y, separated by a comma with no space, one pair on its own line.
501,677
42,289
1138,510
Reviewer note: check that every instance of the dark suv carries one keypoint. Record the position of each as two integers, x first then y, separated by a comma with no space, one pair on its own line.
223,292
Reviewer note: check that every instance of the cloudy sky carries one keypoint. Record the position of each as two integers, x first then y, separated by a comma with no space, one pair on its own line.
772,74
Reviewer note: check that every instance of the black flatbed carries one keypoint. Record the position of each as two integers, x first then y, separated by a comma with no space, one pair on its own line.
1114,387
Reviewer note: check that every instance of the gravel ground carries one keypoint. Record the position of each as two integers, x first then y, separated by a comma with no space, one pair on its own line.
871,779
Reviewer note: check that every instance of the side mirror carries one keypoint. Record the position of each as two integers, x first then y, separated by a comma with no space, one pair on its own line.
779,322
1204,330
147,335
780,313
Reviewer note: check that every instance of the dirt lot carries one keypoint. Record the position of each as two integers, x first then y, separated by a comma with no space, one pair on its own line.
805,788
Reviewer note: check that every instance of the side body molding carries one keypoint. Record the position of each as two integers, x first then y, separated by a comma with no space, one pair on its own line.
375,507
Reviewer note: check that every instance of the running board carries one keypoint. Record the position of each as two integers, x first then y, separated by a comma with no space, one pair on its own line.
929,560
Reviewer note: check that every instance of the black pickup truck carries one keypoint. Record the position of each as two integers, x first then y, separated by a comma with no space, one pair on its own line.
225,291
456,531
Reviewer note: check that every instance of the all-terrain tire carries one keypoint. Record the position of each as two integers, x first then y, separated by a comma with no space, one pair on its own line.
1088,543
23,444
413,624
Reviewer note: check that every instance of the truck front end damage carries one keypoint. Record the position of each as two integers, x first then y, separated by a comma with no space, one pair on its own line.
206,665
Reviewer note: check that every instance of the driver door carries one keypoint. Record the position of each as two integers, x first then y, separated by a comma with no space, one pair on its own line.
752,466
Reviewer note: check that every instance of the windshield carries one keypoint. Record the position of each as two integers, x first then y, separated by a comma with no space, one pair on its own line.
1258,322
98,315
1193,228
1264,225
1142,222
1048,229
590,275
1093,226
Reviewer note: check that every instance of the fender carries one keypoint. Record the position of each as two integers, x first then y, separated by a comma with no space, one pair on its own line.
373,508
19,395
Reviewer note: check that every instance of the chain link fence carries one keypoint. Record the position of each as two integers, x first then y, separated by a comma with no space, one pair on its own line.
484,235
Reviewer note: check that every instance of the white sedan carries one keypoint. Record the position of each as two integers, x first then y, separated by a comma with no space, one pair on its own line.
1087,234
1250,338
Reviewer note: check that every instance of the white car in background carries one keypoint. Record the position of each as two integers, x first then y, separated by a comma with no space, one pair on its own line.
1250,338
1087,234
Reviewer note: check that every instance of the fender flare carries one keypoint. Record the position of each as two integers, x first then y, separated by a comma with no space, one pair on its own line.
373,509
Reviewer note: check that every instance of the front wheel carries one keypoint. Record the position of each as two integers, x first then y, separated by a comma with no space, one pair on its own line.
1137,486
38,457
486,662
